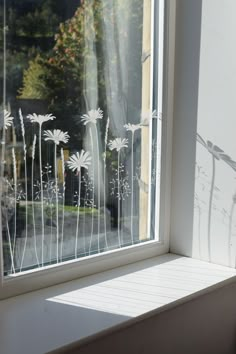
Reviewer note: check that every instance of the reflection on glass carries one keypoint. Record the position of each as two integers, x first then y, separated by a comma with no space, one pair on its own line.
75,129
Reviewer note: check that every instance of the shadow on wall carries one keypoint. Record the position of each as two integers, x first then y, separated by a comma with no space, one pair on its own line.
214,204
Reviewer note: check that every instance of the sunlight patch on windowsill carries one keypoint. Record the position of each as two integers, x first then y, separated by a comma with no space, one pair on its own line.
141,290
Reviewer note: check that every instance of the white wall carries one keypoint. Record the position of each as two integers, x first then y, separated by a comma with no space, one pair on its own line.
203,219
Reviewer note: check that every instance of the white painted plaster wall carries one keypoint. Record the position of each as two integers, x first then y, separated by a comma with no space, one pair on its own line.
205,104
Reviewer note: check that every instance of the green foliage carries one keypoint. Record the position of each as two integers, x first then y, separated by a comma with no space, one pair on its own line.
34,80
42,22
81,56
82,37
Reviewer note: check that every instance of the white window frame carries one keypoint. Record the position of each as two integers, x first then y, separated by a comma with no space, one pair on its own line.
51,275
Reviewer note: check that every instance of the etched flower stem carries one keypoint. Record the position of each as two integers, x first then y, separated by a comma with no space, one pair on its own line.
118,144
78,215
63,200
49,198
32,192
41,190
56,193
3,142
26,188
105,220
90,244
132,128
10,244
84,216
210,207
15,197
104,175
132,187
99,192
118,222
51,233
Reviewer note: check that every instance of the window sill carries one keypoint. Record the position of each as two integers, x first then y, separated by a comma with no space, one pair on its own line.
76,311
48,276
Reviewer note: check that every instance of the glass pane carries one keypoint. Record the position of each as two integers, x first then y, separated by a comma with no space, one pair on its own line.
76,129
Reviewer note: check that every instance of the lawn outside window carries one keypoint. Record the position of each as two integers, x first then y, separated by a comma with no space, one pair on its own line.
86,138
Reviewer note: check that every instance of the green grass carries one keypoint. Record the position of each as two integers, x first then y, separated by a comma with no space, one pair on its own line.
67,208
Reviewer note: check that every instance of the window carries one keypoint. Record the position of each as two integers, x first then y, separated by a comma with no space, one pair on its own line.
81,133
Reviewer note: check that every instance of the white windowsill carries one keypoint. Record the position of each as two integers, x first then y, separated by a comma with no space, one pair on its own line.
48,319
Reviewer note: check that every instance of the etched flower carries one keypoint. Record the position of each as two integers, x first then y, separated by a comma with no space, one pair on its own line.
79,160
6,119
92,116
118,144
40,119
33,147
57,136
132,127
22,123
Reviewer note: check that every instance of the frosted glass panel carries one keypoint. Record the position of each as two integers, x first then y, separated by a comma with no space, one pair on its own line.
76,129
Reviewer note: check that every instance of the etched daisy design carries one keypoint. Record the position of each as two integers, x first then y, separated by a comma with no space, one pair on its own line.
79,160
6,119
40,119
92,116
117,144
132,127
57,136
75,163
